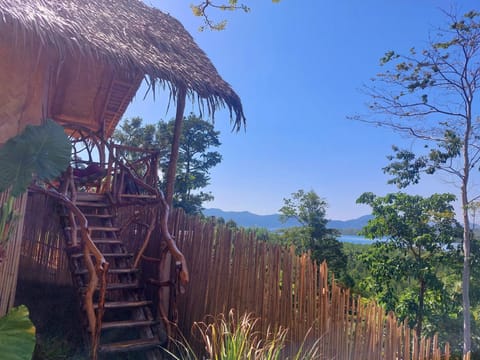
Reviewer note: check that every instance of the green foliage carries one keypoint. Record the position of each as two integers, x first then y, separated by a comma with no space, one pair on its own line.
356,268
419,242
195,156
313,236
194,163
406,167
431,95
42,151
17,335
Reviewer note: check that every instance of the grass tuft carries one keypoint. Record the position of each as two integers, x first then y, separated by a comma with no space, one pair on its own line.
237,338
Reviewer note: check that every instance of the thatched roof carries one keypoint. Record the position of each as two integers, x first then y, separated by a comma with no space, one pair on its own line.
129,35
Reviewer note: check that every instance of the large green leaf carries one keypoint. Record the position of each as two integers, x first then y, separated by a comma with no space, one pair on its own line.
17,335
43,151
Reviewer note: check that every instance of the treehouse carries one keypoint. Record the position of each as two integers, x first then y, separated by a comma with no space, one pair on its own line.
80,63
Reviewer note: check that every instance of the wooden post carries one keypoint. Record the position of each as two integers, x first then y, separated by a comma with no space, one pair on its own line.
165,266
172,166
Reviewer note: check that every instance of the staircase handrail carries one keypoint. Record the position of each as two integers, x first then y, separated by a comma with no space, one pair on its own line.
96,272
149,160
122,163
119,167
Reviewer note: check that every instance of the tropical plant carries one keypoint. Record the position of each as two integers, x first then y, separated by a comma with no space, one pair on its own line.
17,335
40,151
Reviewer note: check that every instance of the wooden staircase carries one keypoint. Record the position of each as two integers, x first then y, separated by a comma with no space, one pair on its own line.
127,324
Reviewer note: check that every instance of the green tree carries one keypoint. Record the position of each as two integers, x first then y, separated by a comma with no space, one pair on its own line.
195,161
313,235
356,267
431,96
418,240
132,132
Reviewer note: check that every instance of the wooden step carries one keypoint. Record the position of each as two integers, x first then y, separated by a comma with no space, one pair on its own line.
109,241
131,345
127,324
110,271
138,196
86,196
97,228
121,286
99,216
96,204
116,286
93,215
124,304
104,228
106,255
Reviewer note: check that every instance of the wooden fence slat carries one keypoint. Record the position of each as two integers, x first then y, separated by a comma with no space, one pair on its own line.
235,270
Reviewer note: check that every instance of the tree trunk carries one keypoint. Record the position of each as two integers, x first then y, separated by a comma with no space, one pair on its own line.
421,302
466,274
467,341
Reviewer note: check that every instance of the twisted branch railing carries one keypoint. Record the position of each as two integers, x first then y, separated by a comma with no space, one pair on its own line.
97,271
131,178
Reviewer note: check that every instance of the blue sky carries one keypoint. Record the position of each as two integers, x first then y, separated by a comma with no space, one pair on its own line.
298,67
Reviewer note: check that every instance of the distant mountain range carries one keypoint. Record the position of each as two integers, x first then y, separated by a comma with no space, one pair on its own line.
272,222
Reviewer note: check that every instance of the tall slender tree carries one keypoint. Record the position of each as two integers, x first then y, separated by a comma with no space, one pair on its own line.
431,95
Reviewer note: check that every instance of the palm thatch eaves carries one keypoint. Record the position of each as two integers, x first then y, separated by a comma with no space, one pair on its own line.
130,36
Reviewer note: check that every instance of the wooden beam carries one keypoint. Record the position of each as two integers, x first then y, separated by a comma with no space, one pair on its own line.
172,166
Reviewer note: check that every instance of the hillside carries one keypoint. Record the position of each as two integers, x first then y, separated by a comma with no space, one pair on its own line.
272,222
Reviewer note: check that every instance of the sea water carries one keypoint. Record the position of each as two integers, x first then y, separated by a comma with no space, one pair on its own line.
355,239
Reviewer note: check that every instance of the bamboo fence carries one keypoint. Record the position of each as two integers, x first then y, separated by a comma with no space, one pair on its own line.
43,258
9,265
234,270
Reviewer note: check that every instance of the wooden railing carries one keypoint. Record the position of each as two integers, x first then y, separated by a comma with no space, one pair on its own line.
97,271
131,172
137,167
131,178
